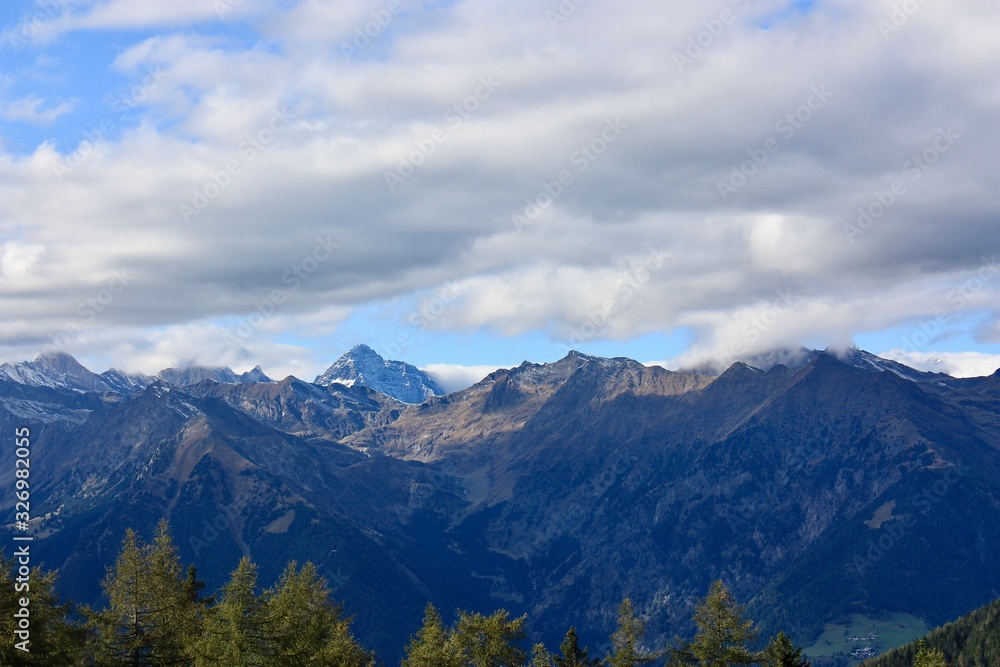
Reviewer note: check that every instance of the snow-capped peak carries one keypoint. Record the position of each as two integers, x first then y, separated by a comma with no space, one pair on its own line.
364,366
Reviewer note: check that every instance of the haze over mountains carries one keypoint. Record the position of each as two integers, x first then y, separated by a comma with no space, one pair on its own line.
841,484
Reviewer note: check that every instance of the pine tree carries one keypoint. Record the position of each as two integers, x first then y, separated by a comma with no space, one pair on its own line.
149,619
572,654
928,657
626,650
540,657
724,636
304,627
234,629
54,639
781,652
193,586
433,645
491,641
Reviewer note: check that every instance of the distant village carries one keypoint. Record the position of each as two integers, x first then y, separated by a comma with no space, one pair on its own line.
864,652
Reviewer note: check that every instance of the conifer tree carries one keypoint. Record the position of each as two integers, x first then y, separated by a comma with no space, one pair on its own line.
724,636
928,657
433,645
781,652
234,630
572,654
304,627
53,638
491,641
149,618
540,657
193,586
626,650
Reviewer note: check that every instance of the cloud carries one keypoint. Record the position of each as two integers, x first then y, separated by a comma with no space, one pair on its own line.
29,109
455,377
262,192
17,259
956,364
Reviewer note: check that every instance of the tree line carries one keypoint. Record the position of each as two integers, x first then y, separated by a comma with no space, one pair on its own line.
155,614
970,641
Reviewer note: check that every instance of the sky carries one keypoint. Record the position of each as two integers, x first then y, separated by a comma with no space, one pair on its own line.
467,185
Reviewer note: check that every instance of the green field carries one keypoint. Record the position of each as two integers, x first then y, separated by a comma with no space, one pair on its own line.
892,629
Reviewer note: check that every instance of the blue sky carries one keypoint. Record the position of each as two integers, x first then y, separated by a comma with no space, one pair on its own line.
466,185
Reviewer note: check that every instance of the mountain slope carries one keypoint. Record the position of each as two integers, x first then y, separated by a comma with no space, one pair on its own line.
230,486
971,641
307,410
556,488
587,471
56,370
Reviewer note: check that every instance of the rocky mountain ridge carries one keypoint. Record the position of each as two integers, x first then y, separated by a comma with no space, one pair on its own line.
841,485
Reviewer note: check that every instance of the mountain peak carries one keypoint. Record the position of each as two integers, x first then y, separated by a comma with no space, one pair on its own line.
854,356
53,369
364,366
60,361
183,376
255,374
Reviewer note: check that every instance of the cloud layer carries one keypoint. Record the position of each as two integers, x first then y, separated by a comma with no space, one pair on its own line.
756,173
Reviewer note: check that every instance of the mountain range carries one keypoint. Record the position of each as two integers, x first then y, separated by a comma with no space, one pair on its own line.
837,484
360,365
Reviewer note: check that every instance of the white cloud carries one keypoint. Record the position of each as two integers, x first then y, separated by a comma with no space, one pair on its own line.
263,197
455,377
956,364
30,109
17,259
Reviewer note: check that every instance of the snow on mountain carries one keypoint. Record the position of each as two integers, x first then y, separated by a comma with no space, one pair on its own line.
126,383
61,371
868,361
362,365
54,369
